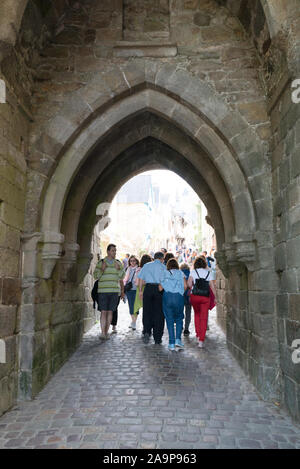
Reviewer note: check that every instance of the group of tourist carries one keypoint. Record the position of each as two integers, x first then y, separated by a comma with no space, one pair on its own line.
162,288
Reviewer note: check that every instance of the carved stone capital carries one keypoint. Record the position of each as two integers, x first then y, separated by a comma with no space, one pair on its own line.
246,253
69,260
51,251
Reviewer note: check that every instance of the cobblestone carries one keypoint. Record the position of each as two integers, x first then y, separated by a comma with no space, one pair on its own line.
121,393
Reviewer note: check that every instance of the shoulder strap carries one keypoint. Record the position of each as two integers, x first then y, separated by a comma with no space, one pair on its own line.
207,275
197,273
134,272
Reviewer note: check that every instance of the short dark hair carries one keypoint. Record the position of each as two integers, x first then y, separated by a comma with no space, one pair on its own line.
145,259
200,263
110,246
172,264
158,255
168,255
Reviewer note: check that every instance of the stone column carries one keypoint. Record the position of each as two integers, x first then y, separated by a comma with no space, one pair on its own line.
27,311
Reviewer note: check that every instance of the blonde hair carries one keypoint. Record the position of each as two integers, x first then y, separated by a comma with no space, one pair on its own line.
184,266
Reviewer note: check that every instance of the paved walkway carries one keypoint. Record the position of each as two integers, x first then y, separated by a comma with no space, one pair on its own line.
122,394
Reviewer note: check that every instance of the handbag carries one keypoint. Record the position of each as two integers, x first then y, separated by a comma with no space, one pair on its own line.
201,287
128,285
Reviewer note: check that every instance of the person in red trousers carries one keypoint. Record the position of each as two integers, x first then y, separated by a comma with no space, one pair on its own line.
201,303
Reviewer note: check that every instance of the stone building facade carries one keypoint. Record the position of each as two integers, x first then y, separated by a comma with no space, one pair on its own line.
99,91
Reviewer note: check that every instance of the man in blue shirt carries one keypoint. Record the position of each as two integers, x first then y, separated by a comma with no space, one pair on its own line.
152,275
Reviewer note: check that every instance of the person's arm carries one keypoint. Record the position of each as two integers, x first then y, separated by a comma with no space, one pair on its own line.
136,281
126,278
185,284
122,289
212,286
100,267
141,283
190,282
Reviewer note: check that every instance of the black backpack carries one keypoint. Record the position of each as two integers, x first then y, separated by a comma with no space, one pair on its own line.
201,287
94,294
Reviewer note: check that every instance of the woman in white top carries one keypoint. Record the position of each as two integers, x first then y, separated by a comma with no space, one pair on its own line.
131,276
200,296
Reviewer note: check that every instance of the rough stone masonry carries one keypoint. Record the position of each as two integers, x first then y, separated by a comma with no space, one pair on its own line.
200,87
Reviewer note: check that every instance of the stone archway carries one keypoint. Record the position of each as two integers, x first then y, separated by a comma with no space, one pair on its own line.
193,125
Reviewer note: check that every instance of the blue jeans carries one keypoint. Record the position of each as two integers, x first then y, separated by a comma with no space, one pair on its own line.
173,305
131,297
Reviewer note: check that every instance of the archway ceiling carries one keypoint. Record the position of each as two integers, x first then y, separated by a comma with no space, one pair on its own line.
146,154
177,152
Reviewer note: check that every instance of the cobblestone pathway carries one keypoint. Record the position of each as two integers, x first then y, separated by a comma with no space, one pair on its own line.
121,393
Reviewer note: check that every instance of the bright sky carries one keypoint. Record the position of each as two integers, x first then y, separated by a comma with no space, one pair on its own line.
169,181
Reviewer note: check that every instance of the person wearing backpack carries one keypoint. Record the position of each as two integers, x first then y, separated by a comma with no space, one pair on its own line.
201,280
110,274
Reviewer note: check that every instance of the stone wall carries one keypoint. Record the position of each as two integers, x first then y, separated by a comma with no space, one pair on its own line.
13,145
285,117
72,59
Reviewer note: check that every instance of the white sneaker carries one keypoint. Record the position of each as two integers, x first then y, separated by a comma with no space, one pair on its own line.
133,326
201,344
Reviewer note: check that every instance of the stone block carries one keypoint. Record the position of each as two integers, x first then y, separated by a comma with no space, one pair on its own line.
294,303
263,326
290,396
3,228
254,112
288,281
8,317
260,185
42,316
282,304
216,34
280,257
115,81
61,313
267,383
243,206
12,238
27,313
262,302
41,348
264,213
186,119
295,162
8,392
264,280
12,216
44,291
11,294
61,340
232,125
201,19
40,377
292,331
293,252
200,95
289,368
9,266
284,174
294,222
263,350
11,357
281,331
